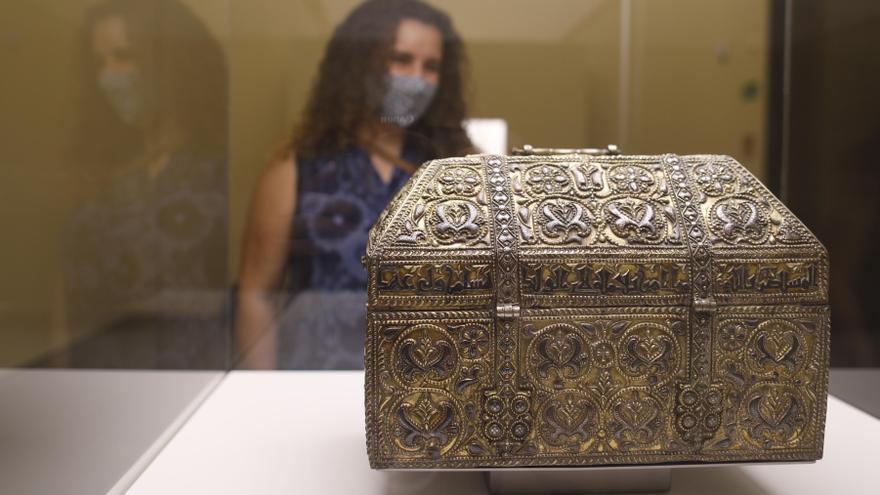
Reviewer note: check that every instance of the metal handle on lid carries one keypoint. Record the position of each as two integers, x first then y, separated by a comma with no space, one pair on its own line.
528,149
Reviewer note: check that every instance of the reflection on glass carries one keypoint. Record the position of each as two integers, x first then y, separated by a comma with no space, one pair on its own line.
113,182
388,96
143,250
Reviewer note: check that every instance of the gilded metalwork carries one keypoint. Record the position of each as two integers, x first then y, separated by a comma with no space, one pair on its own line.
549,309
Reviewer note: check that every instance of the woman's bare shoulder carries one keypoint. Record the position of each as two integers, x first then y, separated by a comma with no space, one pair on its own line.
279,177
281,168
276,189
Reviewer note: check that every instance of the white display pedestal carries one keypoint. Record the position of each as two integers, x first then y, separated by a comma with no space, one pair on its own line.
279,432
73,431
574,481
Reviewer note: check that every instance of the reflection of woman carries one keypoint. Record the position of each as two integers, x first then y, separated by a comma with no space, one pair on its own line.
388,96
145,244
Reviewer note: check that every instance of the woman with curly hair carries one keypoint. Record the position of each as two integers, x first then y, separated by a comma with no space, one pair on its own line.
388,96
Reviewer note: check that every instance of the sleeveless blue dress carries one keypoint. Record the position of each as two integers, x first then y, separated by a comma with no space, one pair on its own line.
340,197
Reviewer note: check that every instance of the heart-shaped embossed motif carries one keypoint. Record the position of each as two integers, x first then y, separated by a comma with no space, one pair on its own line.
742,213
777,346
649,349
774,407
425,353
566,213
457,220
424,413
738,217
570,413
569,420
559,350
565,217
423,356
637,412
632,214
457,215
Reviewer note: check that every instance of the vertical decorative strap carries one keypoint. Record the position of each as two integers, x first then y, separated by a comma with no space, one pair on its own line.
699,402
506,408
703,304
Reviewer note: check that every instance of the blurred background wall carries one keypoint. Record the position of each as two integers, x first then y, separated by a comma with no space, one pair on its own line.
650,76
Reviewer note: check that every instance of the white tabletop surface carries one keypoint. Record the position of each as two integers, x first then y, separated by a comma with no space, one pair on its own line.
72,432
303,433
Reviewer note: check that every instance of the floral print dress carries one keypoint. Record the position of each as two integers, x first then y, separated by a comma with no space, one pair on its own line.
339,198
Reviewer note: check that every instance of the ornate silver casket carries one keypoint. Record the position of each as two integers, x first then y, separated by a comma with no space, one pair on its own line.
573,309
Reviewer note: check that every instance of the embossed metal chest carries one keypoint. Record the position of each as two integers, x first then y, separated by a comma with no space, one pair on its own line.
570,309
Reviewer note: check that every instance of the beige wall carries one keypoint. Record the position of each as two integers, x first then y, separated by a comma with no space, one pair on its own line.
691,63
36,116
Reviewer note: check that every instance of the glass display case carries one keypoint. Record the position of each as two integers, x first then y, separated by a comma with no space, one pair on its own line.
187,185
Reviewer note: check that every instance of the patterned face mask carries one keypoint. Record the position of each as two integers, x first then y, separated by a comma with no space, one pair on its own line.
406,100
123,92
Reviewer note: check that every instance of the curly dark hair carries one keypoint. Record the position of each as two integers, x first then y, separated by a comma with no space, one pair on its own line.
184,81
347,91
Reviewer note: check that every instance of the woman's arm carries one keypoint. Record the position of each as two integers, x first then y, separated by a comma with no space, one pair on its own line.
265,254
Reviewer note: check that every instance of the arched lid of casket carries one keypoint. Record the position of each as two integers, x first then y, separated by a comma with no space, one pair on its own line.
609,217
